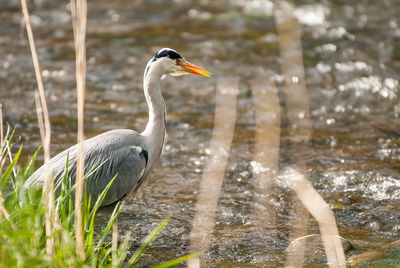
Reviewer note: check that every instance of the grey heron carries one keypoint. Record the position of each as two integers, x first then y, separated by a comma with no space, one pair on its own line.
123,151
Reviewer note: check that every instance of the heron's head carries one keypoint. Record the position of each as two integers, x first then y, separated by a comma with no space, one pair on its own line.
174,64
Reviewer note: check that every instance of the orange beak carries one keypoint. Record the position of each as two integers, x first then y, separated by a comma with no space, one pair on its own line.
191,68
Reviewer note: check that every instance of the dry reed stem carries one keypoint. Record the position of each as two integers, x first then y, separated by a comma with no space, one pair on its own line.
1,126
214,170
1,137
298,229
266,149
3,210
295,92
48,187
114,244
322,213
5,146
4,150
46,194
11,158
39,113
79,18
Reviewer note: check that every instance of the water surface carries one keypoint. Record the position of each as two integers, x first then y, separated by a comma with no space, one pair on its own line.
352,63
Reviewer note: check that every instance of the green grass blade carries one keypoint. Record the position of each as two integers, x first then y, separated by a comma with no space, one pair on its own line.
71,189
92,213
107,257
94,262
10,168
101,197
62,198
24,235
123,249
5,147
28,170
148,240
107,229
178,260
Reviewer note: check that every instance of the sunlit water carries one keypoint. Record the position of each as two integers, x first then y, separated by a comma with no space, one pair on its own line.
352,63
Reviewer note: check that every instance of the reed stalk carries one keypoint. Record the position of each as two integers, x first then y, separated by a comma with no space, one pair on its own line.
48,187
114,244
3,210
214,170
4,149
299,127
289,39
266,149
322,213
1,127
7,147
79,19
2,144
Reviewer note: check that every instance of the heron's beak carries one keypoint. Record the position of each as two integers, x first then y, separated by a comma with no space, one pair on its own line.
191,68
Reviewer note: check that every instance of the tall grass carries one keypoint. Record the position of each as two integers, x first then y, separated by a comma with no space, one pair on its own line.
23,238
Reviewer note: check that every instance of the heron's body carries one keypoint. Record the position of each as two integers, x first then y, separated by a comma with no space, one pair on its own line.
123,152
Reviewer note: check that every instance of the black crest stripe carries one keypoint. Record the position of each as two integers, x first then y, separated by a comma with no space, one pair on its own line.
168,53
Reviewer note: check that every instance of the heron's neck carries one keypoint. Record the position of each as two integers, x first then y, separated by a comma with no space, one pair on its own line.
154,132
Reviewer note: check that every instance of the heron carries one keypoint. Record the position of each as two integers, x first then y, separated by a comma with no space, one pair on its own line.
124,153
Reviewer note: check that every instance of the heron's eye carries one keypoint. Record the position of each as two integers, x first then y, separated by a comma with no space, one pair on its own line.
178,61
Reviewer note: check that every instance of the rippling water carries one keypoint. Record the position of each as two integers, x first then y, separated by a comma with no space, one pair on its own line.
352,63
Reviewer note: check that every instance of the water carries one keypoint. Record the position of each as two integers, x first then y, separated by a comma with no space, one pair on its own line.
352,66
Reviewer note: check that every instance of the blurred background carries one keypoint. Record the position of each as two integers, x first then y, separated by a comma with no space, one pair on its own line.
351,55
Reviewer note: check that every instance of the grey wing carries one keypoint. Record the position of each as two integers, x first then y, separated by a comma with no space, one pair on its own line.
110,154
127,164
